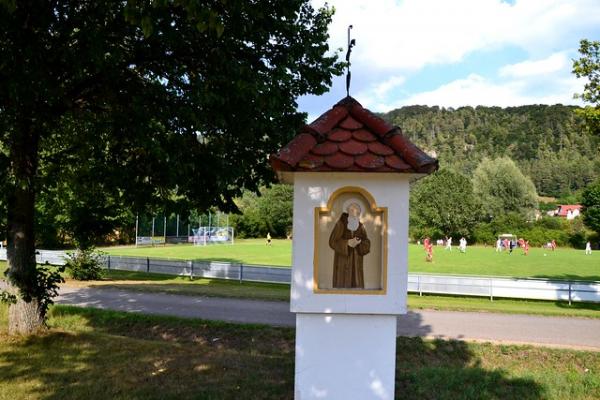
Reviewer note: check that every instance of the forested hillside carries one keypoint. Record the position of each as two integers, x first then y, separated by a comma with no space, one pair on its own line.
549,143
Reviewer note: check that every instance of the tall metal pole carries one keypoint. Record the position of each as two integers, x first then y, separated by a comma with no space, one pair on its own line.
165,231
153,226
177,225
136,229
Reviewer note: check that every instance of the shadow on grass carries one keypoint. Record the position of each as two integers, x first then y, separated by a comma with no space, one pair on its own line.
570,277
111,355
98,354
137,276
448,369
578,305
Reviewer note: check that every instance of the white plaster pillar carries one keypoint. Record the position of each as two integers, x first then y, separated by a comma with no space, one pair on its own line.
345,356
346,339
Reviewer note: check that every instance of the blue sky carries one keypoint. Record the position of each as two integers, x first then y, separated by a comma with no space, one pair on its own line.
455,53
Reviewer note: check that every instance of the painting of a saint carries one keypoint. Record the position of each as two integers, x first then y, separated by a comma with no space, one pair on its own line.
350,243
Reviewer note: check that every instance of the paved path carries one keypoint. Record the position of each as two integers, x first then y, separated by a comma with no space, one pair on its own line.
553,331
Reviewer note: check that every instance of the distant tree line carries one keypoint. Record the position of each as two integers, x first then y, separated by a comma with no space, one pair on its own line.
550,144
498,199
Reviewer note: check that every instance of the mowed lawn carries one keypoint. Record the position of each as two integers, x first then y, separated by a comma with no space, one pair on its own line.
98,354
564,263
247,251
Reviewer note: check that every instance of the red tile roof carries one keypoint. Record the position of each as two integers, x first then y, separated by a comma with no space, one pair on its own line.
563,209
351,138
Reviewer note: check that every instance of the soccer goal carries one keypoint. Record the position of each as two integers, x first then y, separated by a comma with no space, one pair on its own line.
205,235
153,230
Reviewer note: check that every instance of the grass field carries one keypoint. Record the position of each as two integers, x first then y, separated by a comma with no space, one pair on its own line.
248,251
96,354
563,263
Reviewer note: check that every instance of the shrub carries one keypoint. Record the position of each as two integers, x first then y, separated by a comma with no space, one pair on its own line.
483,234
539,236
552,223
84,265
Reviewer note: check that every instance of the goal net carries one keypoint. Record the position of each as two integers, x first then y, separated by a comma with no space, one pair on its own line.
205,235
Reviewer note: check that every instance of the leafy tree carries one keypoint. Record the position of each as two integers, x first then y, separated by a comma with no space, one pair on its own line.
549,143
140,104
502,188
445,202
271,212
276,206
249,223
588,66
590,200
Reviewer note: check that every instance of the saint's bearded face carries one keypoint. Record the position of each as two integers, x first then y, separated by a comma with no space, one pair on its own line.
354,210
353,216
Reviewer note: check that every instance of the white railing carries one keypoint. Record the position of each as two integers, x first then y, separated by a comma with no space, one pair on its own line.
52,257
492,287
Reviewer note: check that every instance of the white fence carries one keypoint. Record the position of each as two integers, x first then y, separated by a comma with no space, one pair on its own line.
492,287
52,257
535,289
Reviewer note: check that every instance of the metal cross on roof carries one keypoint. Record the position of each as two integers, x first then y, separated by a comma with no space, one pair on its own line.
351,44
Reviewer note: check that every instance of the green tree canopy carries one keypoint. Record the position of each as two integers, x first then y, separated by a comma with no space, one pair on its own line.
127,105
444,202
588,66
590,200
502,188
271,212
549,143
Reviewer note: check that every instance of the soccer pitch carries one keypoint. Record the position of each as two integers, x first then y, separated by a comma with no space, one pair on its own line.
564,263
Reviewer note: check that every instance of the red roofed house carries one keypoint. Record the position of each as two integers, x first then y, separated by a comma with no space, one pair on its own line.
351,172
569,211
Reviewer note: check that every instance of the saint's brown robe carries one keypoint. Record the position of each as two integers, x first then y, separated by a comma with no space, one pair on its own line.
348,261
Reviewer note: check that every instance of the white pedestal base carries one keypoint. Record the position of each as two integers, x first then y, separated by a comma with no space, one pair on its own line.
345,356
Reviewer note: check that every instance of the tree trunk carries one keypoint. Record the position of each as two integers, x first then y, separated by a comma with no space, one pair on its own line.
25,316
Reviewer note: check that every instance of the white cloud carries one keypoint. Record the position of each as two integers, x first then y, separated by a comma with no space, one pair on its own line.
384,87
476,90
551,64
410,34
379,92
397,39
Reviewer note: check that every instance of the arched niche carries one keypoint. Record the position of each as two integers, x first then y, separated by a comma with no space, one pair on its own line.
327,278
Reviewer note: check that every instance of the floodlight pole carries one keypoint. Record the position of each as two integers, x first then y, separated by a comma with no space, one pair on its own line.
209,225
165,231
177,225
153,226
136,229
